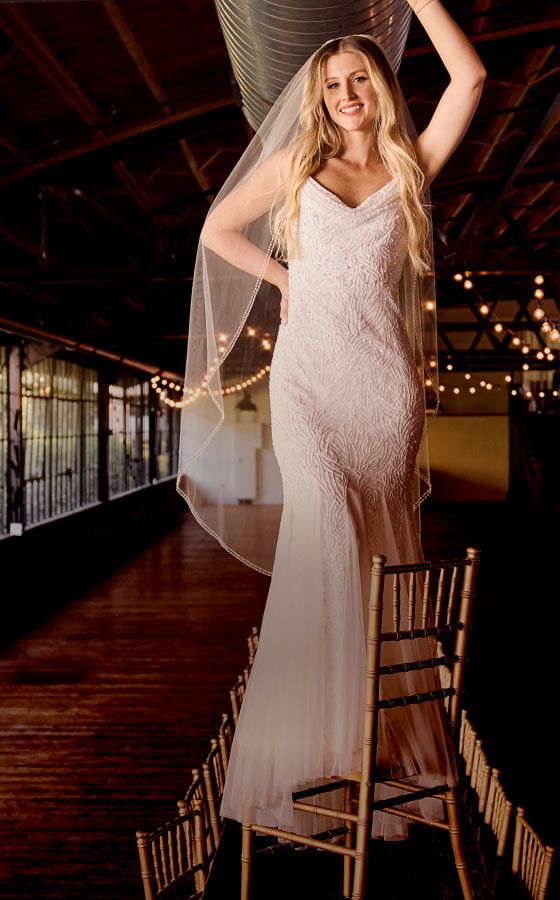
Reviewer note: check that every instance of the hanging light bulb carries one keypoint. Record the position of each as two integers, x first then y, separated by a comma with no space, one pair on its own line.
457,276
538,313
429,305
449,367
467,284
484,309
498,327
455,390
525,367
508,378
546,327
467,376
538,279
554,334
525,349
540,354
516,341
472,390
514,393
442,387
538,293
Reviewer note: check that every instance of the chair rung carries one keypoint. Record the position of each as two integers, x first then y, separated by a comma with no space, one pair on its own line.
274,849
321,789
411,797
301,839
393,702
418,664
434,631
325,811
424,566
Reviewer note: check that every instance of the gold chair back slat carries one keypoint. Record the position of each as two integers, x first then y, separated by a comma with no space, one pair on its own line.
426,598
411,601
453,590
396,603
439,597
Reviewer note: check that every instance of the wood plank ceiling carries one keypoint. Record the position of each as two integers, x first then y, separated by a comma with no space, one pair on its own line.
120,121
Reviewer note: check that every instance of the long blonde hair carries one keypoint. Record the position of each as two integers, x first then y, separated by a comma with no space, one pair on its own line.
320,138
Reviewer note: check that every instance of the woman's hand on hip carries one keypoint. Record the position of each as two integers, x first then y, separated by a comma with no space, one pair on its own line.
284,306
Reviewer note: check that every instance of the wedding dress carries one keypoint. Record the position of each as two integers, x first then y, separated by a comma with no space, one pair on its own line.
347,417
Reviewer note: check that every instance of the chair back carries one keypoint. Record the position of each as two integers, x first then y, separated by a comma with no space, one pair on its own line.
173,857
532,859
408,604
498,812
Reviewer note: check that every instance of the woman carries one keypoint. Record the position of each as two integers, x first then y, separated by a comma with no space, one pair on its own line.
345,201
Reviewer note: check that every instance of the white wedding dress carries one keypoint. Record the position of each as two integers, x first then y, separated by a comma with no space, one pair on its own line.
347,418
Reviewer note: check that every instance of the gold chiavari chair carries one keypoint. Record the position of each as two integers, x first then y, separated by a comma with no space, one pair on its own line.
468,746
498,812
237,692
203,793
253,642
168,857
532,860
173,859
236,698
452,619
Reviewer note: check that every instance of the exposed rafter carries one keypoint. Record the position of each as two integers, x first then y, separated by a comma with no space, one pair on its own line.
18,29
155,86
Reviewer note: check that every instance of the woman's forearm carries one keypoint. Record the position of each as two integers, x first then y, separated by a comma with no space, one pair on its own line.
242,253
455,49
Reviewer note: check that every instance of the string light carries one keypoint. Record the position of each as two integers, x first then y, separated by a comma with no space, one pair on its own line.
551,329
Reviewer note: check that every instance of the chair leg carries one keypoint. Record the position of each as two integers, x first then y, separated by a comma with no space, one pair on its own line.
247,850
348,841
457,843
363,834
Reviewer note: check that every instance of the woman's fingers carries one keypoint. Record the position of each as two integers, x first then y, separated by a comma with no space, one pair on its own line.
284,309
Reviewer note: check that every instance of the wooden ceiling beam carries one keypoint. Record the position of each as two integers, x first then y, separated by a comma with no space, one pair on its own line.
137,55
20,242
546,27
107,141
29,42
484,212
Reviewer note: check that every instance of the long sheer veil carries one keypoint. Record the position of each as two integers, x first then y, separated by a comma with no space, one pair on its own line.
227,470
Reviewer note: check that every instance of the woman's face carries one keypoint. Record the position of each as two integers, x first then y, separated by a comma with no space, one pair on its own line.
348,92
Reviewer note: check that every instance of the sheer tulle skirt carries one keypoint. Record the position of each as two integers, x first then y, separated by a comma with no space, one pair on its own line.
301,717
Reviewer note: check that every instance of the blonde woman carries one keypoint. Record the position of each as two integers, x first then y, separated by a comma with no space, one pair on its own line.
345,201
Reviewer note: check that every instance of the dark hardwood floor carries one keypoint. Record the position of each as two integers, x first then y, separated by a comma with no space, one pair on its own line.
106,707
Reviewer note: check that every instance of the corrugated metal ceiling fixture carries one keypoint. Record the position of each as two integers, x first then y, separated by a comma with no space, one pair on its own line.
268,42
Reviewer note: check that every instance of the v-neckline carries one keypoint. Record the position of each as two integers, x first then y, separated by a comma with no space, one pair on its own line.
342,202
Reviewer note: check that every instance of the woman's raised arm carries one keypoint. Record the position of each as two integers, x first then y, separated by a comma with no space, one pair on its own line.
460,99
222,231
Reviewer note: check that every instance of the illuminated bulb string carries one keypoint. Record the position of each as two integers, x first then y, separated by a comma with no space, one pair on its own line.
165,388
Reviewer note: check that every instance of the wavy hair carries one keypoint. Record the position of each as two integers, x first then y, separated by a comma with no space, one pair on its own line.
320,138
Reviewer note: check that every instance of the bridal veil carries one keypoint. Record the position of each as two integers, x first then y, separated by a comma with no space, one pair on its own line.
227,471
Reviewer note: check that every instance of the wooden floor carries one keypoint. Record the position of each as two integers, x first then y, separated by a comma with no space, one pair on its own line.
106,708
